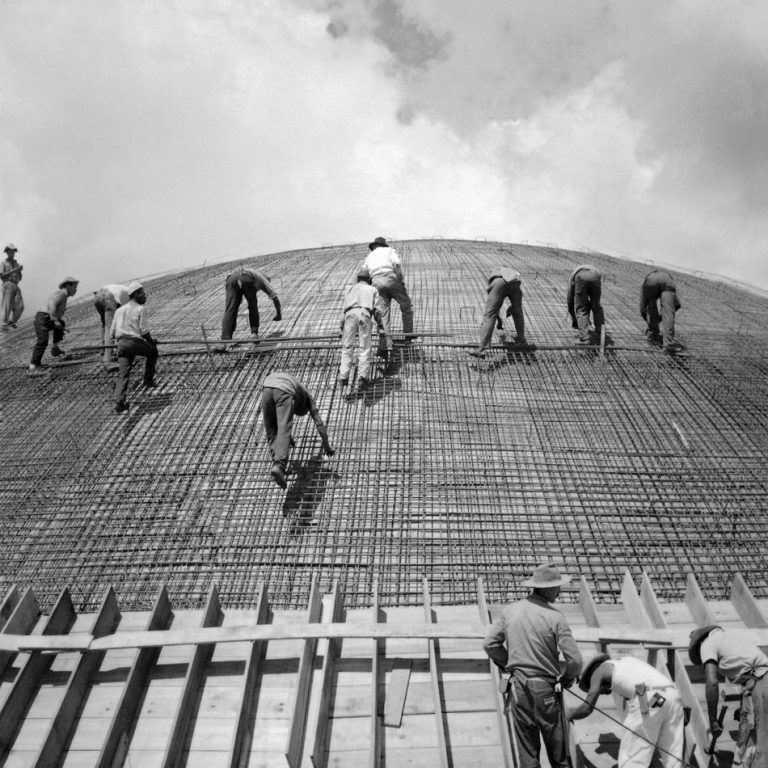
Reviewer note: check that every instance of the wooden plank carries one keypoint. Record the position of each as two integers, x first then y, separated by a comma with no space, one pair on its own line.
746,605
243,736
377,651
397,690
295,741
174,750
415,630
434,673
696,603
27,682
320,745
52,751
115,745
636,612
10,601
587,604
698,726
506,734
22,620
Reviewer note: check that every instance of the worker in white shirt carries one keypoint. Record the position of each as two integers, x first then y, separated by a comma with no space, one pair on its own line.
107,300
386,271
131,331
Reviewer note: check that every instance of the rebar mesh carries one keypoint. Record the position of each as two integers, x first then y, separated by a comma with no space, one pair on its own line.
448,467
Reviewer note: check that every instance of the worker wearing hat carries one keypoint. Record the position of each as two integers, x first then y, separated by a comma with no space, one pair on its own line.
653,712
524,641
51,319
360,305
131,331
11,303
107,300
503,284
386,271
741,662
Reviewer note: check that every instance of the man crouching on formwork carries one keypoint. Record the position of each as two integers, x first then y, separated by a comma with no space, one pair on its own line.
653,713
533,630
359,307
282,397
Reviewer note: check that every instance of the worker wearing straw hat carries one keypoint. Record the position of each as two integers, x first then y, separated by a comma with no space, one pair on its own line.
11,303
653,712
51,319
107,300
131,331
502,284
524,640
282,397
741,662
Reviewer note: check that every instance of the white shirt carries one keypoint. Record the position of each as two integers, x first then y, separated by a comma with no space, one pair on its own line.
119,291
129,322
736,655
384,262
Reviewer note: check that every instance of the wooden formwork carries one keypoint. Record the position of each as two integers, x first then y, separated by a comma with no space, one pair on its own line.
325,686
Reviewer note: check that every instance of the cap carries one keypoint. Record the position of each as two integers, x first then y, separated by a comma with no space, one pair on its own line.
68,281
363,274
586,674
698,636
134,287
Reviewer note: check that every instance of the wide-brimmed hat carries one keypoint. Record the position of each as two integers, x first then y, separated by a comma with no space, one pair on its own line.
10,247
68,281
698,636
589,669
547,575
379,241
134,287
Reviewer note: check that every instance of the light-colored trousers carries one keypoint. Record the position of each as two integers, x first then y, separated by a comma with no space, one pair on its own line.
357,325
11,300
661,726
392,287
106,306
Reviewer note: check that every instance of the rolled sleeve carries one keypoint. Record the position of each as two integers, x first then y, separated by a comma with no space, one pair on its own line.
493,643
569,649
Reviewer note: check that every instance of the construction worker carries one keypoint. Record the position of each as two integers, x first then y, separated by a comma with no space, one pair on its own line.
502,284
282,397
131,331
11,303
659,289
584,289
360,305
107,300
386,271
246,282
524,641
741,662
51,319
653,712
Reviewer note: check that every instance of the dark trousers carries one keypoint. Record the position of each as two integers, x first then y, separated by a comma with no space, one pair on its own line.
128,350
499,290
536,710
659,288
587,290
43,326
236,289
277,407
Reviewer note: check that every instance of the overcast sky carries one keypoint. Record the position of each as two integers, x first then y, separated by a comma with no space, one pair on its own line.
140,137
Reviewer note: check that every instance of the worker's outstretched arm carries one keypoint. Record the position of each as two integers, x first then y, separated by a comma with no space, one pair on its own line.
322,431
712,690
585,707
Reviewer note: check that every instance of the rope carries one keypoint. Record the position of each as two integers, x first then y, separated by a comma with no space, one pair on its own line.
639,735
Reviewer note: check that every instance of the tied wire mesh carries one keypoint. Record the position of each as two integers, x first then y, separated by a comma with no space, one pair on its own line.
447,467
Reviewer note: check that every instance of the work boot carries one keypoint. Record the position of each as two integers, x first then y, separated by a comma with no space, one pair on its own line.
111,367
343,382
582,342
479,352
35,370
121,407
278,475
673,347
363,383
57,351
255,338
150,384
521,342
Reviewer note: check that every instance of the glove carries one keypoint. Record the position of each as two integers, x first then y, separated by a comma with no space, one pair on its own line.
328,450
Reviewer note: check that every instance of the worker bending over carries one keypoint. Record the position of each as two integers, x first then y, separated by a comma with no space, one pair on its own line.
282,397
584,292
650,703
243,282
502,284
51,319
107,300
659,289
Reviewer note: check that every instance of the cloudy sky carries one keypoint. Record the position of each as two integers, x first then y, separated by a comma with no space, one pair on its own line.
144,136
